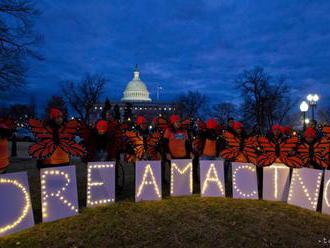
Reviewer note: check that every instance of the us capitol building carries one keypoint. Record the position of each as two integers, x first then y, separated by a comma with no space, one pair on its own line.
137,97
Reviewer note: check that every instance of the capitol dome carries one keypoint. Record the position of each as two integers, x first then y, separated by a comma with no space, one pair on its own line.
136,90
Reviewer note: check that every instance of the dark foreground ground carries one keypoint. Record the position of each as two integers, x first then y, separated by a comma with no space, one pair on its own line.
172,222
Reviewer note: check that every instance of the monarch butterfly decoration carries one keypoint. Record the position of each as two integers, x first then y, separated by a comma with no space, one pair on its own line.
239,149
281,151
49,139
326,131
143,147
314,151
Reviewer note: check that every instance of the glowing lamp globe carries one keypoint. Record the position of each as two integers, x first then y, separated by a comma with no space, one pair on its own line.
304,106
310,97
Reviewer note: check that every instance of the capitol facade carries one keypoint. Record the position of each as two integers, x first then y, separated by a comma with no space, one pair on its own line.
137,97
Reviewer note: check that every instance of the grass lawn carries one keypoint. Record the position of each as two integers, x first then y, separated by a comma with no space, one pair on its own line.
182,221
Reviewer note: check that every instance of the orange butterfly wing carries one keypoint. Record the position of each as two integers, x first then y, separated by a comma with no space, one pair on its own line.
287,154
69,130
231,151
40,130
136,143
249,149
303,151
238,152
321,154
326,131
72,148
42,149
267,149
44,146
66,135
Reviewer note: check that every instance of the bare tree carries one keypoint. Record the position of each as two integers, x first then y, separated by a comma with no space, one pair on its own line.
82,96
17,39
278,103
222,111
191,104
266,101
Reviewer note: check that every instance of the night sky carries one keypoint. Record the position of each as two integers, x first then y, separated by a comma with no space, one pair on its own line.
182,45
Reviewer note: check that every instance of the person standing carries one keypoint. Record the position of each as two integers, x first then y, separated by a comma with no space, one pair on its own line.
176,140
177,144
211,141
59,157
98,142
6,130
314,151
143,143
55,140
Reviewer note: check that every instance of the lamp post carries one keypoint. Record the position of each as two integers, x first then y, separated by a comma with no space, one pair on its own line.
304,109
312,101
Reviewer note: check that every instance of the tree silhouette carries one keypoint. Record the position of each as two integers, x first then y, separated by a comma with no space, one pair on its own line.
82,96
17,40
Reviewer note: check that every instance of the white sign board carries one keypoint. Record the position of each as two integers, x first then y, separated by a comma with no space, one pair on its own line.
15,207
59,197
305,188
148,185
181,177
212,178
326,193
245,184
101,183
276,182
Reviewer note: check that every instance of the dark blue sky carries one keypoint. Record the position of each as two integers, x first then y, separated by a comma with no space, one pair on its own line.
183,44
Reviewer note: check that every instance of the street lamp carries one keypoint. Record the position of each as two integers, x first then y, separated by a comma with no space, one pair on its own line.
304,109
307,121
312,101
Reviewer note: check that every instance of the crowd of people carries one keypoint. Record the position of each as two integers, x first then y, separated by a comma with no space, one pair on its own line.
165,140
